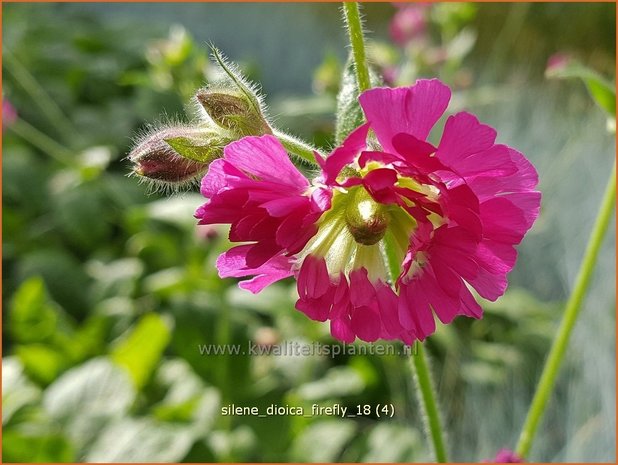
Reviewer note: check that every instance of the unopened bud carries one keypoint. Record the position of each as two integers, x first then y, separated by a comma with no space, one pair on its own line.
177,154
366,219
233,111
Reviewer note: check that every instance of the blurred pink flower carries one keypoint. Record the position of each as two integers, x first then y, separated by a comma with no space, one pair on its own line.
452,215
408,23
505,456
9,114
558,61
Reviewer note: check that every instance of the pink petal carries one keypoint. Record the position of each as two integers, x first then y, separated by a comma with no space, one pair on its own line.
464,136
380,183
265,158
414,311
214,180
366,323
313,278
345,154
341,329
233,264
412,110
317,309
503,221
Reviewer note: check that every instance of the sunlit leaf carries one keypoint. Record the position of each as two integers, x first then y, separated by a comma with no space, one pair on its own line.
141,351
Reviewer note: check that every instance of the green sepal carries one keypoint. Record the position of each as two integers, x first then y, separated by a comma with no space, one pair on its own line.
201,151
349,113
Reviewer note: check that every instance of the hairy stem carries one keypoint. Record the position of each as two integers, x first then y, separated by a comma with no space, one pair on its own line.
428,402
297,147
354,26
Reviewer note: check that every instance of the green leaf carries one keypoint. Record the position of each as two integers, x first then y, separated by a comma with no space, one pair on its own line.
349,113
32,318
389,442
17,390
140,440
21,447
338,381
84,399
141,351
603,92
42,363
187,399
323,441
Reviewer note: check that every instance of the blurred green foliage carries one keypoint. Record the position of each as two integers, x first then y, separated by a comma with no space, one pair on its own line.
109,291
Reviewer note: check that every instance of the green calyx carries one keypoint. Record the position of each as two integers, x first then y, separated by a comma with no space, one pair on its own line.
366,219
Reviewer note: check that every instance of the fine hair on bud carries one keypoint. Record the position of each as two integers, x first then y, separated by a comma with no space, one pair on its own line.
232,103
156,162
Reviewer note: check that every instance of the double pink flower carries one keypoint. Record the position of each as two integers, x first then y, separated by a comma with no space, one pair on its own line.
448,217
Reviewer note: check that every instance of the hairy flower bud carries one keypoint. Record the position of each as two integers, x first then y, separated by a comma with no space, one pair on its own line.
233,103
176,155
233,111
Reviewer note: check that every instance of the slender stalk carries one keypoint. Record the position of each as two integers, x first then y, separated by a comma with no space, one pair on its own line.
427,396
42,141
39,96
355,32
571,312
428,402
297,147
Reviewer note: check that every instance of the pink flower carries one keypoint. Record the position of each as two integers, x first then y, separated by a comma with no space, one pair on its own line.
505,456
451,216
257,190
558,61
408,23
9,114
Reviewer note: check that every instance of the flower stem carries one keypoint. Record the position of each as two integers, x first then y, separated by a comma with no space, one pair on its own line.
297,147
571,312
42,141
427,397
39,96
428,402
354,26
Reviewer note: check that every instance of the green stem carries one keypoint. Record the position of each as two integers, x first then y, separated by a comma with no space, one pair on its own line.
427,397
42,141
571,312
297,147
428,402
39,96
355,32
422,375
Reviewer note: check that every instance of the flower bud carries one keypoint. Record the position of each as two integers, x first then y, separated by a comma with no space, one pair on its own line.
233,111
366,219
176,155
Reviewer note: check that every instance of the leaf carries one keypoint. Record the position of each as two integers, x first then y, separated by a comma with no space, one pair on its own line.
392,443
140,440
87,397
32,318
338,381
323,441
349,113
603,92
17,390
187,399
42,363
141,351
28,448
